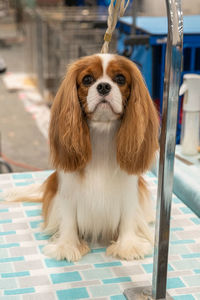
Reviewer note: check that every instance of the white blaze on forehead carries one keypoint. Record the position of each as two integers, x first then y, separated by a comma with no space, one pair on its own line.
105,58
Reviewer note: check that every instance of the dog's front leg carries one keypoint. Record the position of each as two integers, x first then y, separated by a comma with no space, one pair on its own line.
134,234
68,245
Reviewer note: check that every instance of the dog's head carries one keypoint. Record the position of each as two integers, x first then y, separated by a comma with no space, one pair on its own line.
103,88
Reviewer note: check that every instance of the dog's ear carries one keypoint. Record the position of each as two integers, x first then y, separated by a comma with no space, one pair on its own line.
137,138
69,136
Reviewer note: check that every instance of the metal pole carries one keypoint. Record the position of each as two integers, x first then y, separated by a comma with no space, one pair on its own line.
173,64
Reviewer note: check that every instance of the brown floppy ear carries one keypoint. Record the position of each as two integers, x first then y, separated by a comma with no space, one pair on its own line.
137,138
69,136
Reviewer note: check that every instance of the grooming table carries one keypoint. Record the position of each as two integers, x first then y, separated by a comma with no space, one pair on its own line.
25,273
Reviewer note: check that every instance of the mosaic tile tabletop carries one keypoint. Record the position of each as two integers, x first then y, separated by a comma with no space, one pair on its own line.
25,273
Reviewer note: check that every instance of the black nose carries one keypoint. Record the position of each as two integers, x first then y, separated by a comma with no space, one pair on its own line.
103,88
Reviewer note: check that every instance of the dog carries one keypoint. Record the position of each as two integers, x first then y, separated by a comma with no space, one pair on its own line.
103,136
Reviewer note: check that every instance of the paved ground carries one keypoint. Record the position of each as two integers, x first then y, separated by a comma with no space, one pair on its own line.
21,139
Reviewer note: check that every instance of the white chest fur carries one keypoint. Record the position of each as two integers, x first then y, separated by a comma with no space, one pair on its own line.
100,196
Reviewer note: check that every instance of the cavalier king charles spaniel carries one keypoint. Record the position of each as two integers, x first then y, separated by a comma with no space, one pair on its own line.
103,136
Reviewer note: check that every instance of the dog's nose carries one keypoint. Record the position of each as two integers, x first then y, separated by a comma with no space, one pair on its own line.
103,88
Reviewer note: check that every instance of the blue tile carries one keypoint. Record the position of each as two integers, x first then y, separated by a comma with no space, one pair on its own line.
16,274
40,237
30,203
11,259
24,183
118,297
184,297
8,232
195,220
116,280
33,213
191,255
182,242
4,210
35,224
10,245
65,277
149,268
19,291
98,250
176,229
72,294
5,221
52,263
108,264
22,176
174,283
176,200
186,210
197,271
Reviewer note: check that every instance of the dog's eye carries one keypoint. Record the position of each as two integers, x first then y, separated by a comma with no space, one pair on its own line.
120,79
88,80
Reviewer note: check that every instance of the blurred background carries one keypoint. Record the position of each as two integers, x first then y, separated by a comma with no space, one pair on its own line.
38,38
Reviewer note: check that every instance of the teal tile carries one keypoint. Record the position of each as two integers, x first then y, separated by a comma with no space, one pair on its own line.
186,264
4,210
186,210
10,245
35,224
24,183
8,232
98,250
176,229
8,283
52,263
197,271
192,280
108,264
11,259
30,203
5,221
97,274
19,291
195,220
116,280
15,274
191,255
22,176
71,294
182,242
33,213
174,283
176,200
149,268
118,297
65,277
184,297
105,290
6,267
40,237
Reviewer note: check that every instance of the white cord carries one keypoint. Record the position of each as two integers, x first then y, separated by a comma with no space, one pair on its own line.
114,12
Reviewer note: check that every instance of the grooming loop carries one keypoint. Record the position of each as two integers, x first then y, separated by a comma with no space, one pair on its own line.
114,12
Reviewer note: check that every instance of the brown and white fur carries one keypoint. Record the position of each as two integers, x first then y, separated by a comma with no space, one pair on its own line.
103,136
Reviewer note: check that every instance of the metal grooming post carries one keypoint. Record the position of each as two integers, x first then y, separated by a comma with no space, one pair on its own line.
173,64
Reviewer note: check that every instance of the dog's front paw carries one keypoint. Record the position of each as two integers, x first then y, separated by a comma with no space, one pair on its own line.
66,251
129,250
